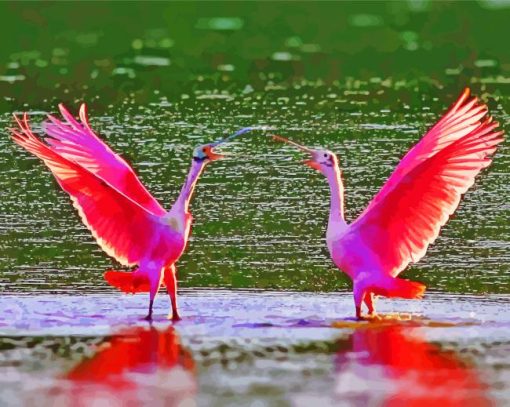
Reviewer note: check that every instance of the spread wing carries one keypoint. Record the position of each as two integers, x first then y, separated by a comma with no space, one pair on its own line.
122,227
426,187
78,143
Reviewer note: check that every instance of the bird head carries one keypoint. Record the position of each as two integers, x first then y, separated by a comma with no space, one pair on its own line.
206,153
321,160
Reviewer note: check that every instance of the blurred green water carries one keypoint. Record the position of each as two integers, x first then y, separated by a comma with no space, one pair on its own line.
109,50
364,79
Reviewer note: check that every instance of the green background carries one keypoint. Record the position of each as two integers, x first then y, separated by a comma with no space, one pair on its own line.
364,79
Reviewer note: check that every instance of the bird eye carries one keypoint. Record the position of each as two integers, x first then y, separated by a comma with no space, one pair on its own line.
204,150
325,155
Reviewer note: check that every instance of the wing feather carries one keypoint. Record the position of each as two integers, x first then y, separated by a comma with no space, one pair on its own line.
77,142
426,188
461,119
123,228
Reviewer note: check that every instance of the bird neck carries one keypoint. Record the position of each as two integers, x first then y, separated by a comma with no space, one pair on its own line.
336,187
182,202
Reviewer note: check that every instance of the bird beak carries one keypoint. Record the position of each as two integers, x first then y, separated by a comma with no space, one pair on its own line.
310,163
212,155
292,143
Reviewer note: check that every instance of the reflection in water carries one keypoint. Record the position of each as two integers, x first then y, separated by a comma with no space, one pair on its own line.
391,365
137,366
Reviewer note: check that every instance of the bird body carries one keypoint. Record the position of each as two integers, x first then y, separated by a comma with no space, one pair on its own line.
406,215
128,223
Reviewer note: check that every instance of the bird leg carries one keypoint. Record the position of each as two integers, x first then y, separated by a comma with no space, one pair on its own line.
363,294
359,296
149,315
369,302
154,273
170,278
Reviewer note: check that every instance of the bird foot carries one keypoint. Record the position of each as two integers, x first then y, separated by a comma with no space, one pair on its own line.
371,316
174,317
148,318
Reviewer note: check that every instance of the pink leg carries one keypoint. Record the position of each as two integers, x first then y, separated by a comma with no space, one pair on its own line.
370,302
170,278
154,273
359,296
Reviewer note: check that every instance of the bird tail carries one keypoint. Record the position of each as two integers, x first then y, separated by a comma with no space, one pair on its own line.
127,282
401,288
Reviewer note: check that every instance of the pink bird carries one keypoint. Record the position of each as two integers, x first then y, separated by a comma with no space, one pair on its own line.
405,216
127,222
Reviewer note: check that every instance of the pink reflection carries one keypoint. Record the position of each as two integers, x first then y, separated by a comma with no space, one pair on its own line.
135,367
391,365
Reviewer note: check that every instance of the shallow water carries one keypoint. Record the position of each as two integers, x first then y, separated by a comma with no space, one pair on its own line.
238,347
365,82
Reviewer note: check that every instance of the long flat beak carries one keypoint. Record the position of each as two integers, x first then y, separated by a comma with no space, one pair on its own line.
214,155
239,133
310,163
292,143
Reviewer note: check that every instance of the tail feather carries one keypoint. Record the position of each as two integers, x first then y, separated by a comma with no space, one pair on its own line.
401,288
127,282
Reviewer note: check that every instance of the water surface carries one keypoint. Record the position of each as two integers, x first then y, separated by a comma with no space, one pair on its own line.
366,83
239,348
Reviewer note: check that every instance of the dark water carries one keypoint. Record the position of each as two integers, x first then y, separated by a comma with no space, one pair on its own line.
260,217
364,79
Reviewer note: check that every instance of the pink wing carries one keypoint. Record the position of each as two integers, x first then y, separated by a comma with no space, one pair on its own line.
122,227
462,118
425,189
78,143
